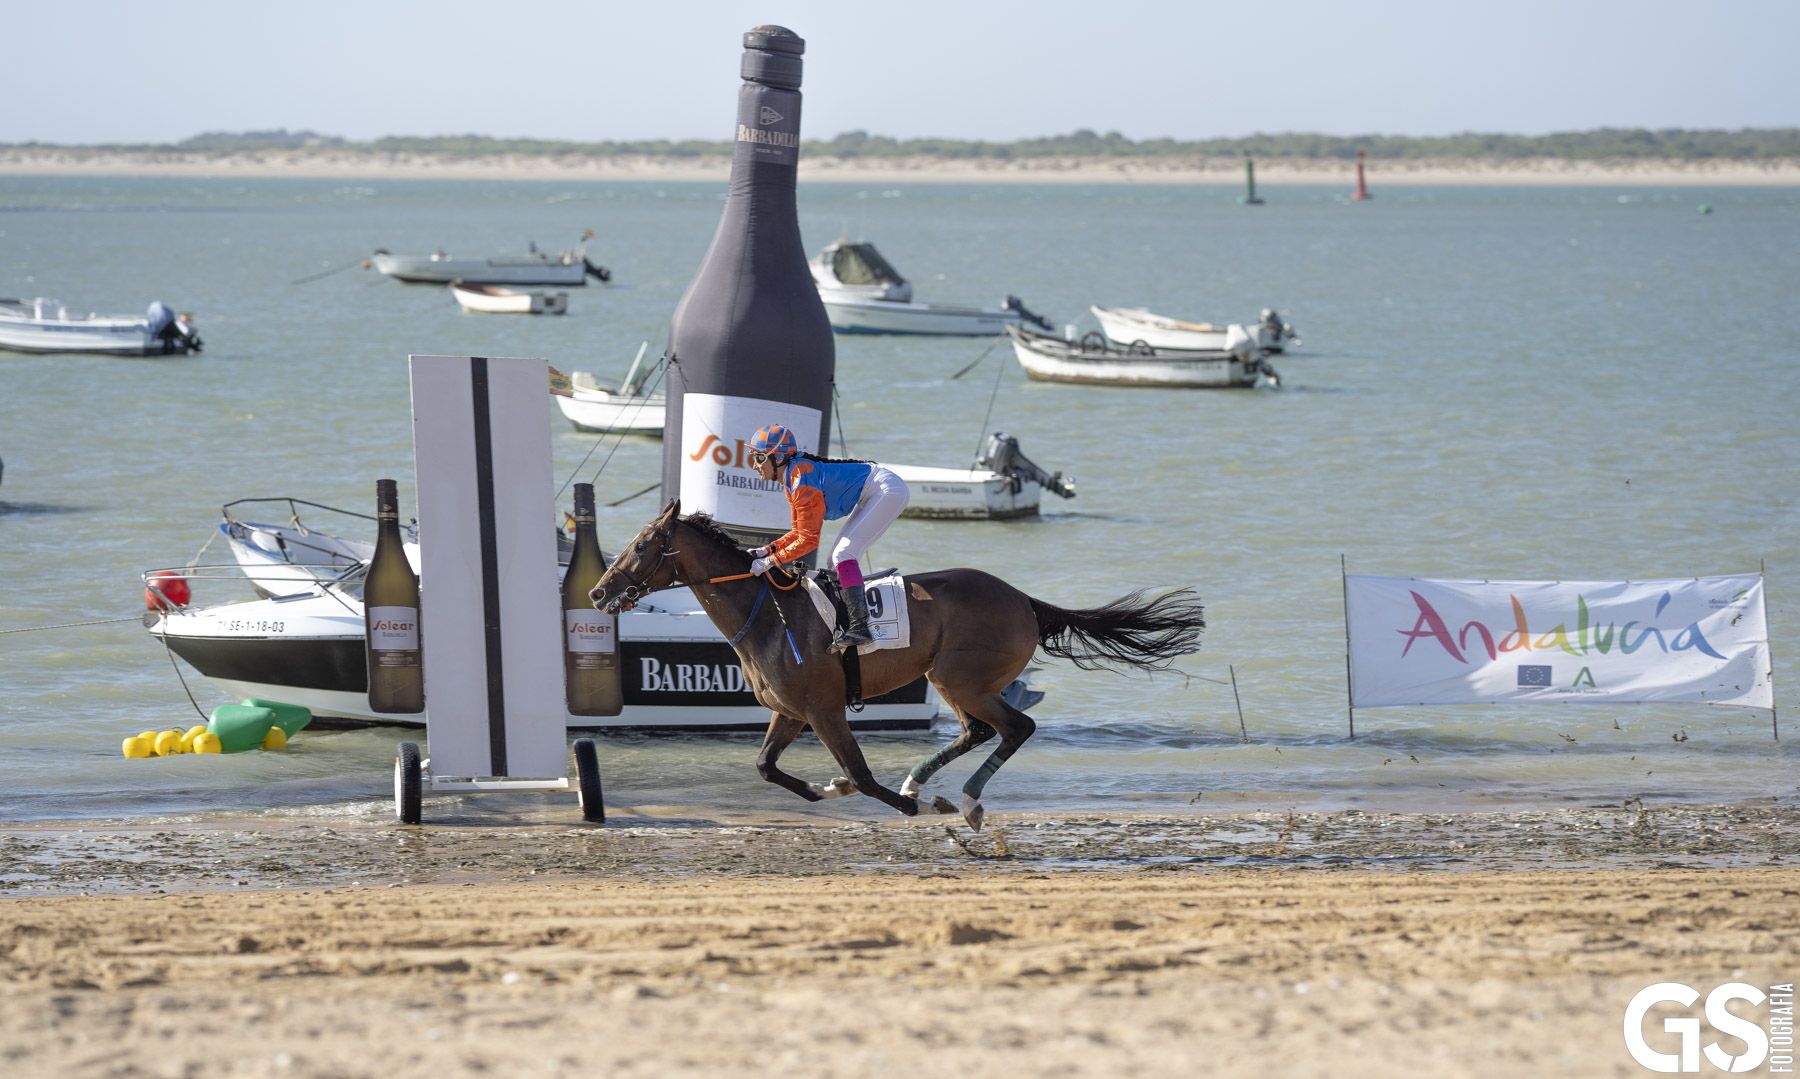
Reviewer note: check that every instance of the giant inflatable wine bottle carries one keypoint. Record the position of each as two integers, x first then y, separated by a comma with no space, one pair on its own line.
750,343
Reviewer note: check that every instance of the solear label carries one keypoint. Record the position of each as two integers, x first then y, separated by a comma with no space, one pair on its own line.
394,629
589,632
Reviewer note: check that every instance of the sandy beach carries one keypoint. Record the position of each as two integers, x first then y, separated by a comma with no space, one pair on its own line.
350,165
668,942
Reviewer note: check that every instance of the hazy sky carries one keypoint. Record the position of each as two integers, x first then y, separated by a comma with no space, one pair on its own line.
116,71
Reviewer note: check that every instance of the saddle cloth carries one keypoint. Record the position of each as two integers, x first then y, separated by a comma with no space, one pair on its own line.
889,622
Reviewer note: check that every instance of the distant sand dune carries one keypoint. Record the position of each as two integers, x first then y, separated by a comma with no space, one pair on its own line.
350,164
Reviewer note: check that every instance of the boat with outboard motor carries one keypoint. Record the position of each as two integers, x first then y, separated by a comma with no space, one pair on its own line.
1131,325
863,293
47,325
1004,484
568,268
302,641
1093,360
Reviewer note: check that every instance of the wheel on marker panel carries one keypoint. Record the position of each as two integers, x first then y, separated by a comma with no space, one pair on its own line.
408,783
587,781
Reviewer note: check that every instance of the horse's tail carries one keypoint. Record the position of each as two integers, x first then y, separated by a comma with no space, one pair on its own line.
1128,632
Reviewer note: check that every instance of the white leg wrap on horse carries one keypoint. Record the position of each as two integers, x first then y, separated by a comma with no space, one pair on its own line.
837,788
911,787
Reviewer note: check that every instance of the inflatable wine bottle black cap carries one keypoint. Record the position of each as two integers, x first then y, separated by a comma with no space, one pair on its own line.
772,57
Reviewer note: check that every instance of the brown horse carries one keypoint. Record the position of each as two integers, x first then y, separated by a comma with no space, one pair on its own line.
972,634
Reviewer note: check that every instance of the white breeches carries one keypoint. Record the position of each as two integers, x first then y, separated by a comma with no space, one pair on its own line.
883,497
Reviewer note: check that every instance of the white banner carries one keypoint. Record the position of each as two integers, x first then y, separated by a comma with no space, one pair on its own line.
1416,641
716,476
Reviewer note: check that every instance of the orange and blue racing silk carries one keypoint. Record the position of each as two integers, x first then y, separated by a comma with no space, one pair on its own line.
817,491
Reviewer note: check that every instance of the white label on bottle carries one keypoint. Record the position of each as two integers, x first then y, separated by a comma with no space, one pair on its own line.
590,631
716,477
394,629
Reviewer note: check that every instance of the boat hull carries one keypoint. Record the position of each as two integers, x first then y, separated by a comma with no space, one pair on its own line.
496,300
967,494
853,314
426,270
601,412
1048,359
101,336
1129,325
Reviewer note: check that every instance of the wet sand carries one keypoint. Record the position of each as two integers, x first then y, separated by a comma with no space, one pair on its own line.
674,941
350,165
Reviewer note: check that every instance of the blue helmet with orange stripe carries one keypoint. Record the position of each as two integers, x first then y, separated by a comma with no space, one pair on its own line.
774,440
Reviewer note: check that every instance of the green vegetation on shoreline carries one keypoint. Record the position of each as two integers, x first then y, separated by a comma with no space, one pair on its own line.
1749,145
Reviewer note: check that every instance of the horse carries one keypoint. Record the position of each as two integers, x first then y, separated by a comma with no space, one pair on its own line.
972,635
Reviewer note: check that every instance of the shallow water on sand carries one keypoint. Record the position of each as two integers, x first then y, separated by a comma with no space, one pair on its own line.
1517,382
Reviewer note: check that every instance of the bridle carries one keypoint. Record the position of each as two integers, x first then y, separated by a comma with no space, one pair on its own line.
636,589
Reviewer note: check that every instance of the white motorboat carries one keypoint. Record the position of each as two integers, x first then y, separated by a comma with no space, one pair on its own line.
1131,325
500,300
46,325
1095,361
303,644
1004,484
863,293
593,407
533,268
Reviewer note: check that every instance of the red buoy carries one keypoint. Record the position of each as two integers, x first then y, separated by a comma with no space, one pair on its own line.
1362,189
166,588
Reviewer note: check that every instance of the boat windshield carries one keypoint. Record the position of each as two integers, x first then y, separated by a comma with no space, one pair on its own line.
861,264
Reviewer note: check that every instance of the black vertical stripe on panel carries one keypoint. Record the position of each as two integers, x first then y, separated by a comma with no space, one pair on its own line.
490,564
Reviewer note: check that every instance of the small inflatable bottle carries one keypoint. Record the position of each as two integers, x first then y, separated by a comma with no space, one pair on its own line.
391,615
591,675
750,343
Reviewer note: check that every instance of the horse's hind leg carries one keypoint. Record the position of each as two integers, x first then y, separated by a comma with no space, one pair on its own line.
974,732
781,734
1014,727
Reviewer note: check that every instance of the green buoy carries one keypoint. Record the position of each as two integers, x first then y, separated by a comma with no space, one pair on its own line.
1248,198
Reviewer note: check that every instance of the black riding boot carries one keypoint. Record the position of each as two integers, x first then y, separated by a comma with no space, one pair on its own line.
856,605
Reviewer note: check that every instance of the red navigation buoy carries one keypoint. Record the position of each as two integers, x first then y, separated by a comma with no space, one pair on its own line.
164,589
1362,189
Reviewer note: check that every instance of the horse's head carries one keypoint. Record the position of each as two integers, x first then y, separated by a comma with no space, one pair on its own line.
644,566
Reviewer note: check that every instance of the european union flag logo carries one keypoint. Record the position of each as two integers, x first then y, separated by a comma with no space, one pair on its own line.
1534,674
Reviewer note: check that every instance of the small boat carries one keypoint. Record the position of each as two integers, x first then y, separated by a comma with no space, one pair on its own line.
46,325
1095,361
1132,325
500,300
1003,485
533,268
863,293
593,407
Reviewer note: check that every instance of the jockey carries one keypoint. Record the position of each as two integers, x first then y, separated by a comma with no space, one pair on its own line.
819,490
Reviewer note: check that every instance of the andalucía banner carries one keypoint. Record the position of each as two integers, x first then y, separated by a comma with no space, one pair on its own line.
1415,641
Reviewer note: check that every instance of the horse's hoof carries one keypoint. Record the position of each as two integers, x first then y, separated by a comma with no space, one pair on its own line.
837,788
972,812
911,787
941,804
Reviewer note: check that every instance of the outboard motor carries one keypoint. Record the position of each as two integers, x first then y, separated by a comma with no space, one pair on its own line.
174,331
599,273
1013,303
1273,334
1002,455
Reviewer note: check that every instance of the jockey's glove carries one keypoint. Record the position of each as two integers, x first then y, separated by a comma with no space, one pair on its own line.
762,566
757,552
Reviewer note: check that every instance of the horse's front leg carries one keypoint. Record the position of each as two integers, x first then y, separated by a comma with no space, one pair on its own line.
834,733
781,734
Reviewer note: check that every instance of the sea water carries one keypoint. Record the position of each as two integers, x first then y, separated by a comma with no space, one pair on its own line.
1503,382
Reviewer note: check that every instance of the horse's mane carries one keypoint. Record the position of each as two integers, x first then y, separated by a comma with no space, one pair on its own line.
706,526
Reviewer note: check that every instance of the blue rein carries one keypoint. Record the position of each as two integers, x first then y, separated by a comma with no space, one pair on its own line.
750,620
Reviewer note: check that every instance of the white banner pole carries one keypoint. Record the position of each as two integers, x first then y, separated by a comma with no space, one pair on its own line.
1349,686
1762,570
